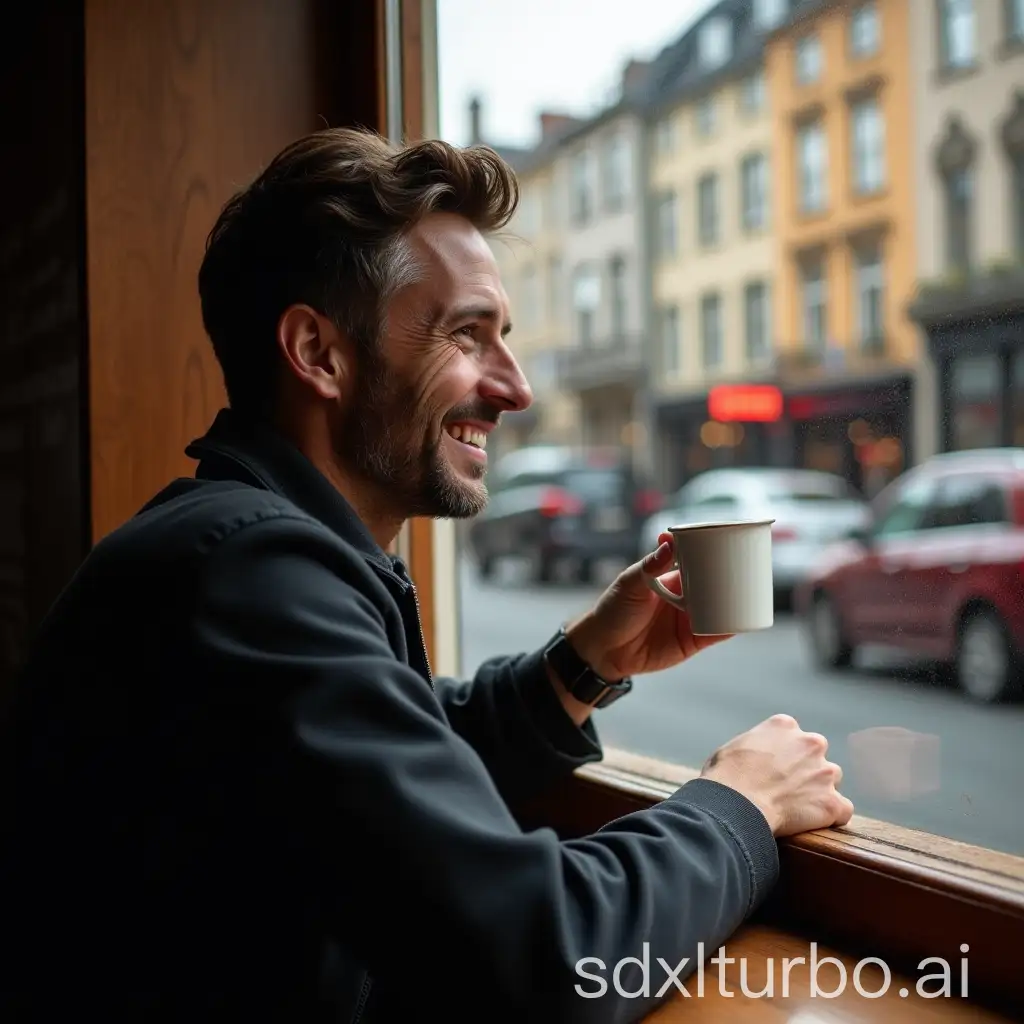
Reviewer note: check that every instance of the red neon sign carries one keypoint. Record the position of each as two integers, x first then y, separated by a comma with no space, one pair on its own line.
745,403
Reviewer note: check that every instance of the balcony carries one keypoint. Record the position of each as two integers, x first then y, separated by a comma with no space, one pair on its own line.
617,360
985,293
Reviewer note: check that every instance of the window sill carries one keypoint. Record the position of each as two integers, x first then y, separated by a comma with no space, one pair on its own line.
949,75
889,891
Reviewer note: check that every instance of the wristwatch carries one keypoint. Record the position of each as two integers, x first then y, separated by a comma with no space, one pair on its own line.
579,678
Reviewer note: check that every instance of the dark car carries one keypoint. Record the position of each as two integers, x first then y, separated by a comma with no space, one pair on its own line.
556,507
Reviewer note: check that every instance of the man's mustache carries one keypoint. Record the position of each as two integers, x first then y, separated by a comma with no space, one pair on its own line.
482,412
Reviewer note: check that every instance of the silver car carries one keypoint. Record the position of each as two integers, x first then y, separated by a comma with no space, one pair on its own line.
811,509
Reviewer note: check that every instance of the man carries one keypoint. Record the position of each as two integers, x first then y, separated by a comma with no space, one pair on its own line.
239,794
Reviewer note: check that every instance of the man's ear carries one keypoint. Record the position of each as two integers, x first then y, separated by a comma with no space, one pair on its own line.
315,351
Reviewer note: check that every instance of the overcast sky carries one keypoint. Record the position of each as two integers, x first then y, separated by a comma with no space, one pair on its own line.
524,56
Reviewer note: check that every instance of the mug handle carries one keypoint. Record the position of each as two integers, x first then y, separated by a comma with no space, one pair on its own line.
659,588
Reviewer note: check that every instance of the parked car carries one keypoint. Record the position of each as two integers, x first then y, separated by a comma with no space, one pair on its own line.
557,506
937,574
811,509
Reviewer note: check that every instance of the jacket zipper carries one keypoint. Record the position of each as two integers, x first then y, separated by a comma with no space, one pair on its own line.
364,994
423,639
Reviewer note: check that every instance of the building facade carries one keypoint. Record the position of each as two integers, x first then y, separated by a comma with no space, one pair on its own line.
710,239
599,182
968,65
530,254
841,90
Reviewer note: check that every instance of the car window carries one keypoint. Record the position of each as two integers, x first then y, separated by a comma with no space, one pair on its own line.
910,510
595,484
810,490
719,500
968,500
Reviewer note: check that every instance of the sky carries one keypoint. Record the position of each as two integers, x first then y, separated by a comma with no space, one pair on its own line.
525,56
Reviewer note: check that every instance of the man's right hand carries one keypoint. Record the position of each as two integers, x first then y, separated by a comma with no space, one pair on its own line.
783,771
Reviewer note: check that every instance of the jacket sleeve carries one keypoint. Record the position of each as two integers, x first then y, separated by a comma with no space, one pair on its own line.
511,715
412,850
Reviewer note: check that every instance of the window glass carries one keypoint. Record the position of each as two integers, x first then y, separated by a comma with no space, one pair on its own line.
909,512
968,501
764,196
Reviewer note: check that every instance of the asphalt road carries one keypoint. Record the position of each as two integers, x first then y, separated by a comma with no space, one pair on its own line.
956,771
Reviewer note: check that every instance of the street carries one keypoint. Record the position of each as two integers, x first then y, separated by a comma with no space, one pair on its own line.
681,715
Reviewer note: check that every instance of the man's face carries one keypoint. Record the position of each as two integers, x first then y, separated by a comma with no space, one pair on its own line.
425,403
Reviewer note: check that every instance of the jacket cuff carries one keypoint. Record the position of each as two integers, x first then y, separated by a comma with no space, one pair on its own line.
745,823
577,743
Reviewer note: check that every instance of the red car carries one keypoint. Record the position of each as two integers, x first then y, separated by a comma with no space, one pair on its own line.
939,573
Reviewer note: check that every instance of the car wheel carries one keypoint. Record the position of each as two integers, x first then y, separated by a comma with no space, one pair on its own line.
831,649
985,666
541,567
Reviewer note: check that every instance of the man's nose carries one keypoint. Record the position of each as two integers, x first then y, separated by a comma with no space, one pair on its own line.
506,385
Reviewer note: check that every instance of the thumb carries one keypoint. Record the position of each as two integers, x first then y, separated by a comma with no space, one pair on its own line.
658,561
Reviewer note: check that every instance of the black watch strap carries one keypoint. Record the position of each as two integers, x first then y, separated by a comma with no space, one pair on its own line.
579,678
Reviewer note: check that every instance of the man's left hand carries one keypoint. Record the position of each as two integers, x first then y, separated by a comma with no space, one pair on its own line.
631,630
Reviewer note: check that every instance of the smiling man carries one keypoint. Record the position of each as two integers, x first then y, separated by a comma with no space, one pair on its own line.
238,793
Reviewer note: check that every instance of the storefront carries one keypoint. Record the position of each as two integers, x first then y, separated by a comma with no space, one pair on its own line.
976,338
859,431
690,439
981,384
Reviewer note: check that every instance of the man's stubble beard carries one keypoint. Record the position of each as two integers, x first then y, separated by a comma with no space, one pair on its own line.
393,449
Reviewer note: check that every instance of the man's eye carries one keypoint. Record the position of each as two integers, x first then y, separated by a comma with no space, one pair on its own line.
467,331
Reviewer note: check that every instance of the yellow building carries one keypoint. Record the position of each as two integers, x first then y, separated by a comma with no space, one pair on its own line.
711,240
840,85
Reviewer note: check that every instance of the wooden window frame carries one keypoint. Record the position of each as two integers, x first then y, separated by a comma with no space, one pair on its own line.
872,887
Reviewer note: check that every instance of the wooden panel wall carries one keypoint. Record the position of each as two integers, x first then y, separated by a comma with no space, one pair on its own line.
43,528
185,101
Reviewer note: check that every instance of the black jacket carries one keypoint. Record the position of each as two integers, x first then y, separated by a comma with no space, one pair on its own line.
238,795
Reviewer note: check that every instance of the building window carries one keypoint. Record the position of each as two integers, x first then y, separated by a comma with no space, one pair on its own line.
617,294
869,277
768,13
711,329
670,340
586,297
1014,21
616,173
582,200
815,308
665,135
975,391
754,192
865,30
706,116
959,197
715,43
707,209
813,168
957,33
868,146
666,231
756,319
555,286
808,59
752,93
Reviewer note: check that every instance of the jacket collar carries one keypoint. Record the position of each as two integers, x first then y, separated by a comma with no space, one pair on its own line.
238,448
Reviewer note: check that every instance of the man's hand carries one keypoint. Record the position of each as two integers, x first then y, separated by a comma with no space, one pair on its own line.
782,770
631,630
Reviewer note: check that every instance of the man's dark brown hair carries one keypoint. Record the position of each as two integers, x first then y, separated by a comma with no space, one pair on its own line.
324,224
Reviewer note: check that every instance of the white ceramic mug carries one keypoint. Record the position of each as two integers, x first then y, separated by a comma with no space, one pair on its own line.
726,575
